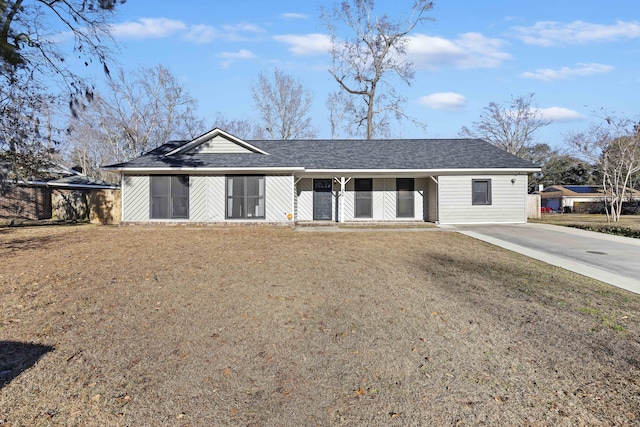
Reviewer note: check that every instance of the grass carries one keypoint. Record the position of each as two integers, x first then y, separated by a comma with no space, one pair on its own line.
629,225
191,326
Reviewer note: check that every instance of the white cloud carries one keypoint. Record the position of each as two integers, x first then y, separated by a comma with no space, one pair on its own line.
148,28
559,114
241,32
241,54
231,57
444,101
201,34
550,33
469,50
548,74
292,15
307,44
243,27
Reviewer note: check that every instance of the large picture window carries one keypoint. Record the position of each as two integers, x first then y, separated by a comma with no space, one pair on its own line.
405,206
364,198
245,197
170,197
481,191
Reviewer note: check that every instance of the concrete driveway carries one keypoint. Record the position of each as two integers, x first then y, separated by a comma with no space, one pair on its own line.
610,259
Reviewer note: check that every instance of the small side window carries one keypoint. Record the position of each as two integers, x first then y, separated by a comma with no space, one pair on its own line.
481,192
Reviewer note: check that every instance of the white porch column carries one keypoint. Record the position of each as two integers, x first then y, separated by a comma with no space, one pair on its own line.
343,185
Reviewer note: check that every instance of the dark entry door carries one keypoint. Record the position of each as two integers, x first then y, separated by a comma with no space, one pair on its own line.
322,199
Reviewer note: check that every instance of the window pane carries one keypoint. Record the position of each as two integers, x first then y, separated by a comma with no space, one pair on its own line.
235,207
180,186
405,206
245,197
159,197
159,207
364,184
364,198
160,186
481,192
180,207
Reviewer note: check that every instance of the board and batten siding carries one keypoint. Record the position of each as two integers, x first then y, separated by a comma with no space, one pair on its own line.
135,198
508,200
278,197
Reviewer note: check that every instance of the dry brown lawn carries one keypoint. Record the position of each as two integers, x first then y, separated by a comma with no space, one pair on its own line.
203,326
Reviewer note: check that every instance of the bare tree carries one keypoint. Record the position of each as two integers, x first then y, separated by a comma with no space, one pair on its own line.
368,56
138,112
32,63
510,127
28,136
284,105
241,128
613,146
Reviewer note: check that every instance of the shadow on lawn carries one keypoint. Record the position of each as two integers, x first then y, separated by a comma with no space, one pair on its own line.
17,357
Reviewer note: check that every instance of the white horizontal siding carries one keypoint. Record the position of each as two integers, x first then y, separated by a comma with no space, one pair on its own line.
135,198
219,145
508,200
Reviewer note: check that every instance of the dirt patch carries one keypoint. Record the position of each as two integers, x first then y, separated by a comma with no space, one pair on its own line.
268,326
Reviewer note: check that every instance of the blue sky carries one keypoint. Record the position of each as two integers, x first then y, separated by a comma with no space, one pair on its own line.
576,56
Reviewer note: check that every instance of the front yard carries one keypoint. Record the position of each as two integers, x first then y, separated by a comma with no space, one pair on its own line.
193,326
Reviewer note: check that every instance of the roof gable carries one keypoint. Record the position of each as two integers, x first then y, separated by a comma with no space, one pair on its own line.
216,141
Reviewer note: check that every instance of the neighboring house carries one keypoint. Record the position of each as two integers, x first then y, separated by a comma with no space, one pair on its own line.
220,178
578,198
65,194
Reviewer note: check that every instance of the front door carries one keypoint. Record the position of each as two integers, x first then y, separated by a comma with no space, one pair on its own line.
322,197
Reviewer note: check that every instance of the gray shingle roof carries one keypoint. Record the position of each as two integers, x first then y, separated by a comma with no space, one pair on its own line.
421,154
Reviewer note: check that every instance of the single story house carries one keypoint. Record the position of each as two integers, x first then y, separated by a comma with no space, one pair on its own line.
60,193
217,177
579,198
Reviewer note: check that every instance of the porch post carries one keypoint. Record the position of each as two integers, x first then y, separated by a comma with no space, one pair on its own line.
343,185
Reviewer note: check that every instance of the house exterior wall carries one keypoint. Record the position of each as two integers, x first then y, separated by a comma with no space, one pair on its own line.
448,202
304,191
218,145
432,200
216,198
70,204
135,198
207,198
508,200
105,206
198,198
278,198
24,202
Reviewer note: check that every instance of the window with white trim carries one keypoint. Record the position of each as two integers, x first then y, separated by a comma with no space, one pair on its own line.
481,191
